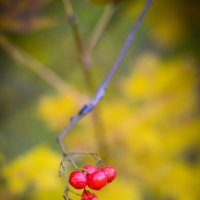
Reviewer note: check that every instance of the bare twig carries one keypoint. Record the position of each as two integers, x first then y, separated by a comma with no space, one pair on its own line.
83,54
85,61
100,27
100,92
74,24
92,42
33,64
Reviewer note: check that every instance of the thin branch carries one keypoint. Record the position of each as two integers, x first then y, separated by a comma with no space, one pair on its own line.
33,64
83,54
85,61
100,27
100,92
74,24
126,45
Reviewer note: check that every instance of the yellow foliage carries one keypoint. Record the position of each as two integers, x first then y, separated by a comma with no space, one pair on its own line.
181,181
141,83
120,189
50,194
115,114
157,132
56,110
36,169
151,78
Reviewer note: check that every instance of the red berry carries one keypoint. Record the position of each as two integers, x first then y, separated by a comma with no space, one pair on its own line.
78,179
90,169
87,195
97,180
110,173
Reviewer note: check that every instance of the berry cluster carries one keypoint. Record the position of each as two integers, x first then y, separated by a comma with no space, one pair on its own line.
94,178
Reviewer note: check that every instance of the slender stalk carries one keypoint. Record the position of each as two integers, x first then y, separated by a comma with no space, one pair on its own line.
74,24
126,45
100,92
34,65
93,40
83,54
100,27
85,60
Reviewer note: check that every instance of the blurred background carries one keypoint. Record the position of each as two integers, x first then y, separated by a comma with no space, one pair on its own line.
147,125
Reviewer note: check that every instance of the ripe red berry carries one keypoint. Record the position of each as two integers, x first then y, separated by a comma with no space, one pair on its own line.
90,168
78,179
110,173
97,180
87,195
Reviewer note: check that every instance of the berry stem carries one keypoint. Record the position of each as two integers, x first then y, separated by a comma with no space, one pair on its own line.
67,190
68,156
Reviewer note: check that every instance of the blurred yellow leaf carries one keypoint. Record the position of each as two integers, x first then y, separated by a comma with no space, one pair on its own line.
120,189
56,110
38,169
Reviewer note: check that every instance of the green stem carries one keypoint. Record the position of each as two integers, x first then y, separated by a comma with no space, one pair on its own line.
100,27
85,60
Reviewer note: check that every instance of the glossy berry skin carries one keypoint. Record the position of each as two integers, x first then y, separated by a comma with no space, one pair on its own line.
78,179
87,195
110,173
90,169
97,180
